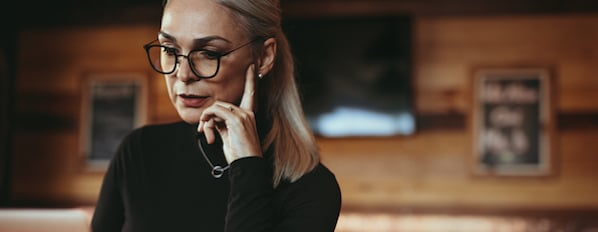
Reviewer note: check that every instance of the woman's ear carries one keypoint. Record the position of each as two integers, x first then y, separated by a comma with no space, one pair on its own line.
267,56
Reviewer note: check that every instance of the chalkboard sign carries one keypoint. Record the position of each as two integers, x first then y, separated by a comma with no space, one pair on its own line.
512,122
113,105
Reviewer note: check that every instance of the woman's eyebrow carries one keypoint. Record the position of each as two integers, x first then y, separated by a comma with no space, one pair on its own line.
205,40
166,36
197,41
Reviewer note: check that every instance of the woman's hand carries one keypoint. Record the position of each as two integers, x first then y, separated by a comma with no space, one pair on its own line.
235,124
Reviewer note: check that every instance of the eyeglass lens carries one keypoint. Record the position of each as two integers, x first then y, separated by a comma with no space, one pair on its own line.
164,60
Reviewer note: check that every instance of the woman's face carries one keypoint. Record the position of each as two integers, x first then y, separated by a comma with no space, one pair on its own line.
203,24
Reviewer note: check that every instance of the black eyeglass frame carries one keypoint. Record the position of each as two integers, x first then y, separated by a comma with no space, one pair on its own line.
152,44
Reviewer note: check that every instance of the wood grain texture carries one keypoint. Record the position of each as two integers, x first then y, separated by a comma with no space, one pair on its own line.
428,169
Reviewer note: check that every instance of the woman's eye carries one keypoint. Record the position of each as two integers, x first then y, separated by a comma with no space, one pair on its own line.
207,54
169,51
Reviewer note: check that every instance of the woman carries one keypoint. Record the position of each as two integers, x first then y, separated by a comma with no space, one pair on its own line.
243,157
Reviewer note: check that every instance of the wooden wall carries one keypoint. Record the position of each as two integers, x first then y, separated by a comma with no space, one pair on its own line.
427,170
431,169
52,65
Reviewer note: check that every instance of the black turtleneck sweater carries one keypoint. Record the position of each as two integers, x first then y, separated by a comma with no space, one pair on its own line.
159,181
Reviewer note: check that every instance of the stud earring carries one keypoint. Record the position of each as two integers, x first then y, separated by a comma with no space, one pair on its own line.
260,75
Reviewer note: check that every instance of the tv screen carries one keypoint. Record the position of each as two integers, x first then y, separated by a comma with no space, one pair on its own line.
354,74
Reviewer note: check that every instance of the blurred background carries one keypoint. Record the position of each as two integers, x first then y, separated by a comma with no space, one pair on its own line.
419,178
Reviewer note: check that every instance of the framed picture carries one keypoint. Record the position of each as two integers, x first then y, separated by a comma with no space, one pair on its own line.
112,106
512,122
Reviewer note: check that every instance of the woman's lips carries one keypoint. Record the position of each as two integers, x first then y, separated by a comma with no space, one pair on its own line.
192,100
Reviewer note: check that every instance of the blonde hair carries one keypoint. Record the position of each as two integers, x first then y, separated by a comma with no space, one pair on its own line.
286,133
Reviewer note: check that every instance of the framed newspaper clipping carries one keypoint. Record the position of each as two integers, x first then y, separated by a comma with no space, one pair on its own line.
112,106
512,122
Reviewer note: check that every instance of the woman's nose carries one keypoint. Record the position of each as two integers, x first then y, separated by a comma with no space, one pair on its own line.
184,72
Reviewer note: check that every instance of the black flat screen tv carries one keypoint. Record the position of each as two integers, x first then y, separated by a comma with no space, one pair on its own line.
354,74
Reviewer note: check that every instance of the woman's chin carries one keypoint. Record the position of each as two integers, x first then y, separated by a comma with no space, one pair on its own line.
190,116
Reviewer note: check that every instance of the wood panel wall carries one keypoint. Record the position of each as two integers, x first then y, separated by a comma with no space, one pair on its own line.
431,169
428,169
53,62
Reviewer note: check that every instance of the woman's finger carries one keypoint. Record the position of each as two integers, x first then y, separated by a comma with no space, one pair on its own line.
208,128
247,102
236,127
218,116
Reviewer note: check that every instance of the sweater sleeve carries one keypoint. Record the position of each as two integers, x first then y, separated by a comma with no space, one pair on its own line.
250,199
109,211
310,204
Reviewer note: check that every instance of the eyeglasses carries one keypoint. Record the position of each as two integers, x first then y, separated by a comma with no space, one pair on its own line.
204,63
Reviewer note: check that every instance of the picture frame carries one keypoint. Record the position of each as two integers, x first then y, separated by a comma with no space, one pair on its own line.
512,122
112,105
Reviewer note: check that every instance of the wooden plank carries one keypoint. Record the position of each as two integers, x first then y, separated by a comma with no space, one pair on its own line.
433,7
577,120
